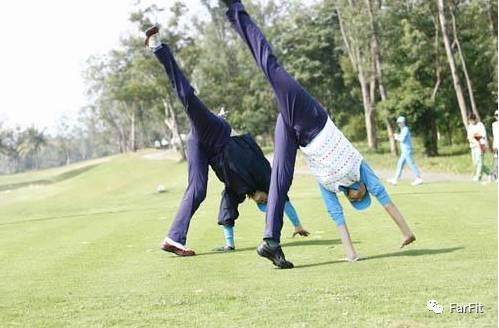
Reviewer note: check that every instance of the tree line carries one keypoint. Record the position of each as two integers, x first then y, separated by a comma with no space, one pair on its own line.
366,61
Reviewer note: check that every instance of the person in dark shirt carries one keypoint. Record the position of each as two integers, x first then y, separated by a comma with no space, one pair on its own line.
237,161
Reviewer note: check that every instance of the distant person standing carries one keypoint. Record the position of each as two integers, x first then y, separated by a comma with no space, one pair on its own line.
477,136
405,153
495,141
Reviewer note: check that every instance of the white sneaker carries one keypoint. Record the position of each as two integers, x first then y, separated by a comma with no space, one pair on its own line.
356,259
416,182
392,181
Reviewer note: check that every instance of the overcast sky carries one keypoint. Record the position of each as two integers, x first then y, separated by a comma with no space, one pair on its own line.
44,47
45,44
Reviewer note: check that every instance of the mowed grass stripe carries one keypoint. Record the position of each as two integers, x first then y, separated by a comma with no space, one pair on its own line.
104,268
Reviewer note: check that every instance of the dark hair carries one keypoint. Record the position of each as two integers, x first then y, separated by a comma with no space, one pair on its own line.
472,117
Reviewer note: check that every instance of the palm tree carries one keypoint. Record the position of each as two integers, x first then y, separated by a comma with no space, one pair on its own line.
30,144
3,140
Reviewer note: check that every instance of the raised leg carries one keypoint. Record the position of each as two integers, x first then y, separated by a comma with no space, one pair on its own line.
212,130
299,110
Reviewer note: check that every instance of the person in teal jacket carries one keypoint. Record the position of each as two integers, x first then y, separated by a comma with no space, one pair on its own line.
404,138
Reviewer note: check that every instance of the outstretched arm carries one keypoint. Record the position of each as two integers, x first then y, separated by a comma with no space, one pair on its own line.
292,216
336,212
376,188
227,215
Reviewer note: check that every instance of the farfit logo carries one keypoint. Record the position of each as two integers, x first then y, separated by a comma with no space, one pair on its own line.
466,308
432,305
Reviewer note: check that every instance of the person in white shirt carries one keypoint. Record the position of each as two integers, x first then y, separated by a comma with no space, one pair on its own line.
495,141
304,124
477,136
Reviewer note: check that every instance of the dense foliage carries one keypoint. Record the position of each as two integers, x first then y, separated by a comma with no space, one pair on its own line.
359,58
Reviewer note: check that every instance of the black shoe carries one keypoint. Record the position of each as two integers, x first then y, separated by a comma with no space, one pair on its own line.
224,248
150,32
274,254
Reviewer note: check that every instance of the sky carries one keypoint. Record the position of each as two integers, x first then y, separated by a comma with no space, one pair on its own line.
44,48
45,44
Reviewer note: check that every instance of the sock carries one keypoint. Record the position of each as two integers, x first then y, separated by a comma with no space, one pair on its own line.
154,41
229,235
272,243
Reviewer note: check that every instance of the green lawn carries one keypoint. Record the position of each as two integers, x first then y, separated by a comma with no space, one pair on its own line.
451,159
82,249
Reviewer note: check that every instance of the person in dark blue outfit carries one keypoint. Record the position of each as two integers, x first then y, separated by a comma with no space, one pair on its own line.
236,160
303,123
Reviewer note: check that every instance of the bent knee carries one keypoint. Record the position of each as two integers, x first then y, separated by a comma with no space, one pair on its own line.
199,193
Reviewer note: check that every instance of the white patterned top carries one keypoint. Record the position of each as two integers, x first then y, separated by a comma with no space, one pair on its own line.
332,158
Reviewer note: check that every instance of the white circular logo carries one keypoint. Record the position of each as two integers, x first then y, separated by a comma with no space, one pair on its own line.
432,305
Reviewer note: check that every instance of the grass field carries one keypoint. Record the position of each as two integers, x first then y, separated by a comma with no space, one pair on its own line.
82,249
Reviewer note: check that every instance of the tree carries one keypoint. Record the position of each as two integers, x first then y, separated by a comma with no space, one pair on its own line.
351,18
63,139
31,142
450,58
456,42
378,71
410,68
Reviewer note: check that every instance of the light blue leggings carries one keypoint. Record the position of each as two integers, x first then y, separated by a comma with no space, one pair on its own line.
406,156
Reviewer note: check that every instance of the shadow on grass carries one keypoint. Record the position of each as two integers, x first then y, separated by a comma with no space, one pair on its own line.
310,242
410,252
58,178
313,242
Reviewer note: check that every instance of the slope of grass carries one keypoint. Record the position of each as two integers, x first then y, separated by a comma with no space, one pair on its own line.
83,251
47,176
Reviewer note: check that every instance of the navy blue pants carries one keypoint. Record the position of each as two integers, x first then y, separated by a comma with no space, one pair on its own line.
300,118
209,133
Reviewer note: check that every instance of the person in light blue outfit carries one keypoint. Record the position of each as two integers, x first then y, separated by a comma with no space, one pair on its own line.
373,186
404,138
369,184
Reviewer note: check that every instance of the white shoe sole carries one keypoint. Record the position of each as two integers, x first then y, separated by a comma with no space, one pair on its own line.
174,243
